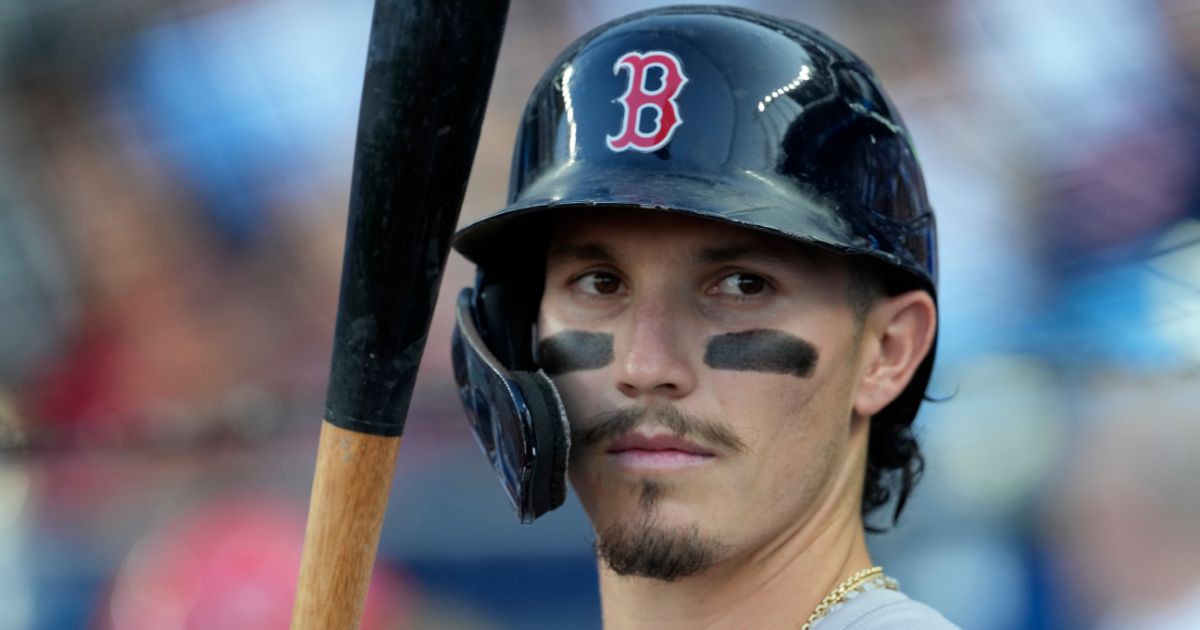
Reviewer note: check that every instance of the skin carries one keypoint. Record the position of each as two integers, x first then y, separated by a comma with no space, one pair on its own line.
781,509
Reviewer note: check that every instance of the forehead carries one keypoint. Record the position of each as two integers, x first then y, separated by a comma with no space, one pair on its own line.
640,233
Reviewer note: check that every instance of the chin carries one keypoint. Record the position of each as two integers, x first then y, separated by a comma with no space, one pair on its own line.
657,542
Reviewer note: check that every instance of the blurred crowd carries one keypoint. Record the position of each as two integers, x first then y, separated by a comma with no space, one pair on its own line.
173,186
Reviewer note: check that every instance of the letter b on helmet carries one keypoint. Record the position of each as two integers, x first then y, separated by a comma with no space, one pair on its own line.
640,97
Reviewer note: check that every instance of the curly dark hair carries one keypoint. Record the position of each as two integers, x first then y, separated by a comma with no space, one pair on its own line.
894,465
894,460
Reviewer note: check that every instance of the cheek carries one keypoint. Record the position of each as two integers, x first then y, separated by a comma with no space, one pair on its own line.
582,393
764,407
602,497
792,427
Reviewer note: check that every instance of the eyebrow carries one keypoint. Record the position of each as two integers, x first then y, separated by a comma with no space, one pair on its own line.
717,255
581,251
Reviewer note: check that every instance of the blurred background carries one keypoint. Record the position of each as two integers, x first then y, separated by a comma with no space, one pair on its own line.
173,186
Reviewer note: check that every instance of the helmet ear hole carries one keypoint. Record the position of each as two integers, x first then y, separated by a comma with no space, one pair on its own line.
504,312
534,347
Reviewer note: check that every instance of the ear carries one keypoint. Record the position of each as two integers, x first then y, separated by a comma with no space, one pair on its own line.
897,334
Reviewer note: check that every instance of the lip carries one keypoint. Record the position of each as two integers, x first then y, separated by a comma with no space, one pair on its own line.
657,454
657,444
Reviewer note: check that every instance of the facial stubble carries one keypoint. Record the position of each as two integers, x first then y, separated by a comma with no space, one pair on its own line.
644,545
647,547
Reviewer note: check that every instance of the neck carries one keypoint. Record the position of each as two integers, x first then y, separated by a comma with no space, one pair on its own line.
776,585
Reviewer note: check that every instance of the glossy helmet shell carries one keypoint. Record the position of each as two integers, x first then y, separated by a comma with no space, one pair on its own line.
782,130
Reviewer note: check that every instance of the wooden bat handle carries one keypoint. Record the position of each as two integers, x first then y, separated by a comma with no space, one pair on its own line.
350,493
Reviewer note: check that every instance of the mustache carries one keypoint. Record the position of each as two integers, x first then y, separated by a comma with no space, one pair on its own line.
613,424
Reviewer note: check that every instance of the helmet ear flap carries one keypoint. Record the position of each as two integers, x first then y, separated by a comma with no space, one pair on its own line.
553,440
516,412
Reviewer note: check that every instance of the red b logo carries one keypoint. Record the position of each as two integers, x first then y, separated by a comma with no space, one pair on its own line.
637,97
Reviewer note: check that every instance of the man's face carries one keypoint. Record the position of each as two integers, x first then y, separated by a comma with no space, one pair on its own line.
709,373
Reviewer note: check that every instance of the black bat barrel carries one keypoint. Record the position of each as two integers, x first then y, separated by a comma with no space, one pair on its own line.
428,75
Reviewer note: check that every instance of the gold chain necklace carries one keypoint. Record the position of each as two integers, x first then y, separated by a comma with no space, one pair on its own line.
858,581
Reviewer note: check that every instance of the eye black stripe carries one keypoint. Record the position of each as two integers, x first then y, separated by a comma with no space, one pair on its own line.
761,350
573,350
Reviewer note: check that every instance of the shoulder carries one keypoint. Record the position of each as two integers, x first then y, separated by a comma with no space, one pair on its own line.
881,609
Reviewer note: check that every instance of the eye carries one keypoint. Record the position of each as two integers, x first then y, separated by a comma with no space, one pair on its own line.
598,283
741,284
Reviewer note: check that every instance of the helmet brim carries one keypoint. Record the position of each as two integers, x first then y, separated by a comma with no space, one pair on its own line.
750,201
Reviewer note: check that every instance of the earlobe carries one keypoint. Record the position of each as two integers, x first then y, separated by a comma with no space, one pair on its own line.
903,327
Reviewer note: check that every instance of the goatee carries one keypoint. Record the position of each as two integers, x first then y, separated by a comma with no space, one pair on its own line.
647,548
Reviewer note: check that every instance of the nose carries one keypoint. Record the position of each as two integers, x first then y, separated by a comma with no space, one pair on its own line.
653,360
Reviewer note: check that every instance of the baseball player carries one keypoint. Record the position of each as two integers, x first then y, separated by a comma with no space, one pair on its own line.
710,301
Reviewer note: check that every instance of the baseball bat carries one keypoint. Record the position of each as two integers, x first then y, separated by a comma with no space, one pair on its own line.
428,74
